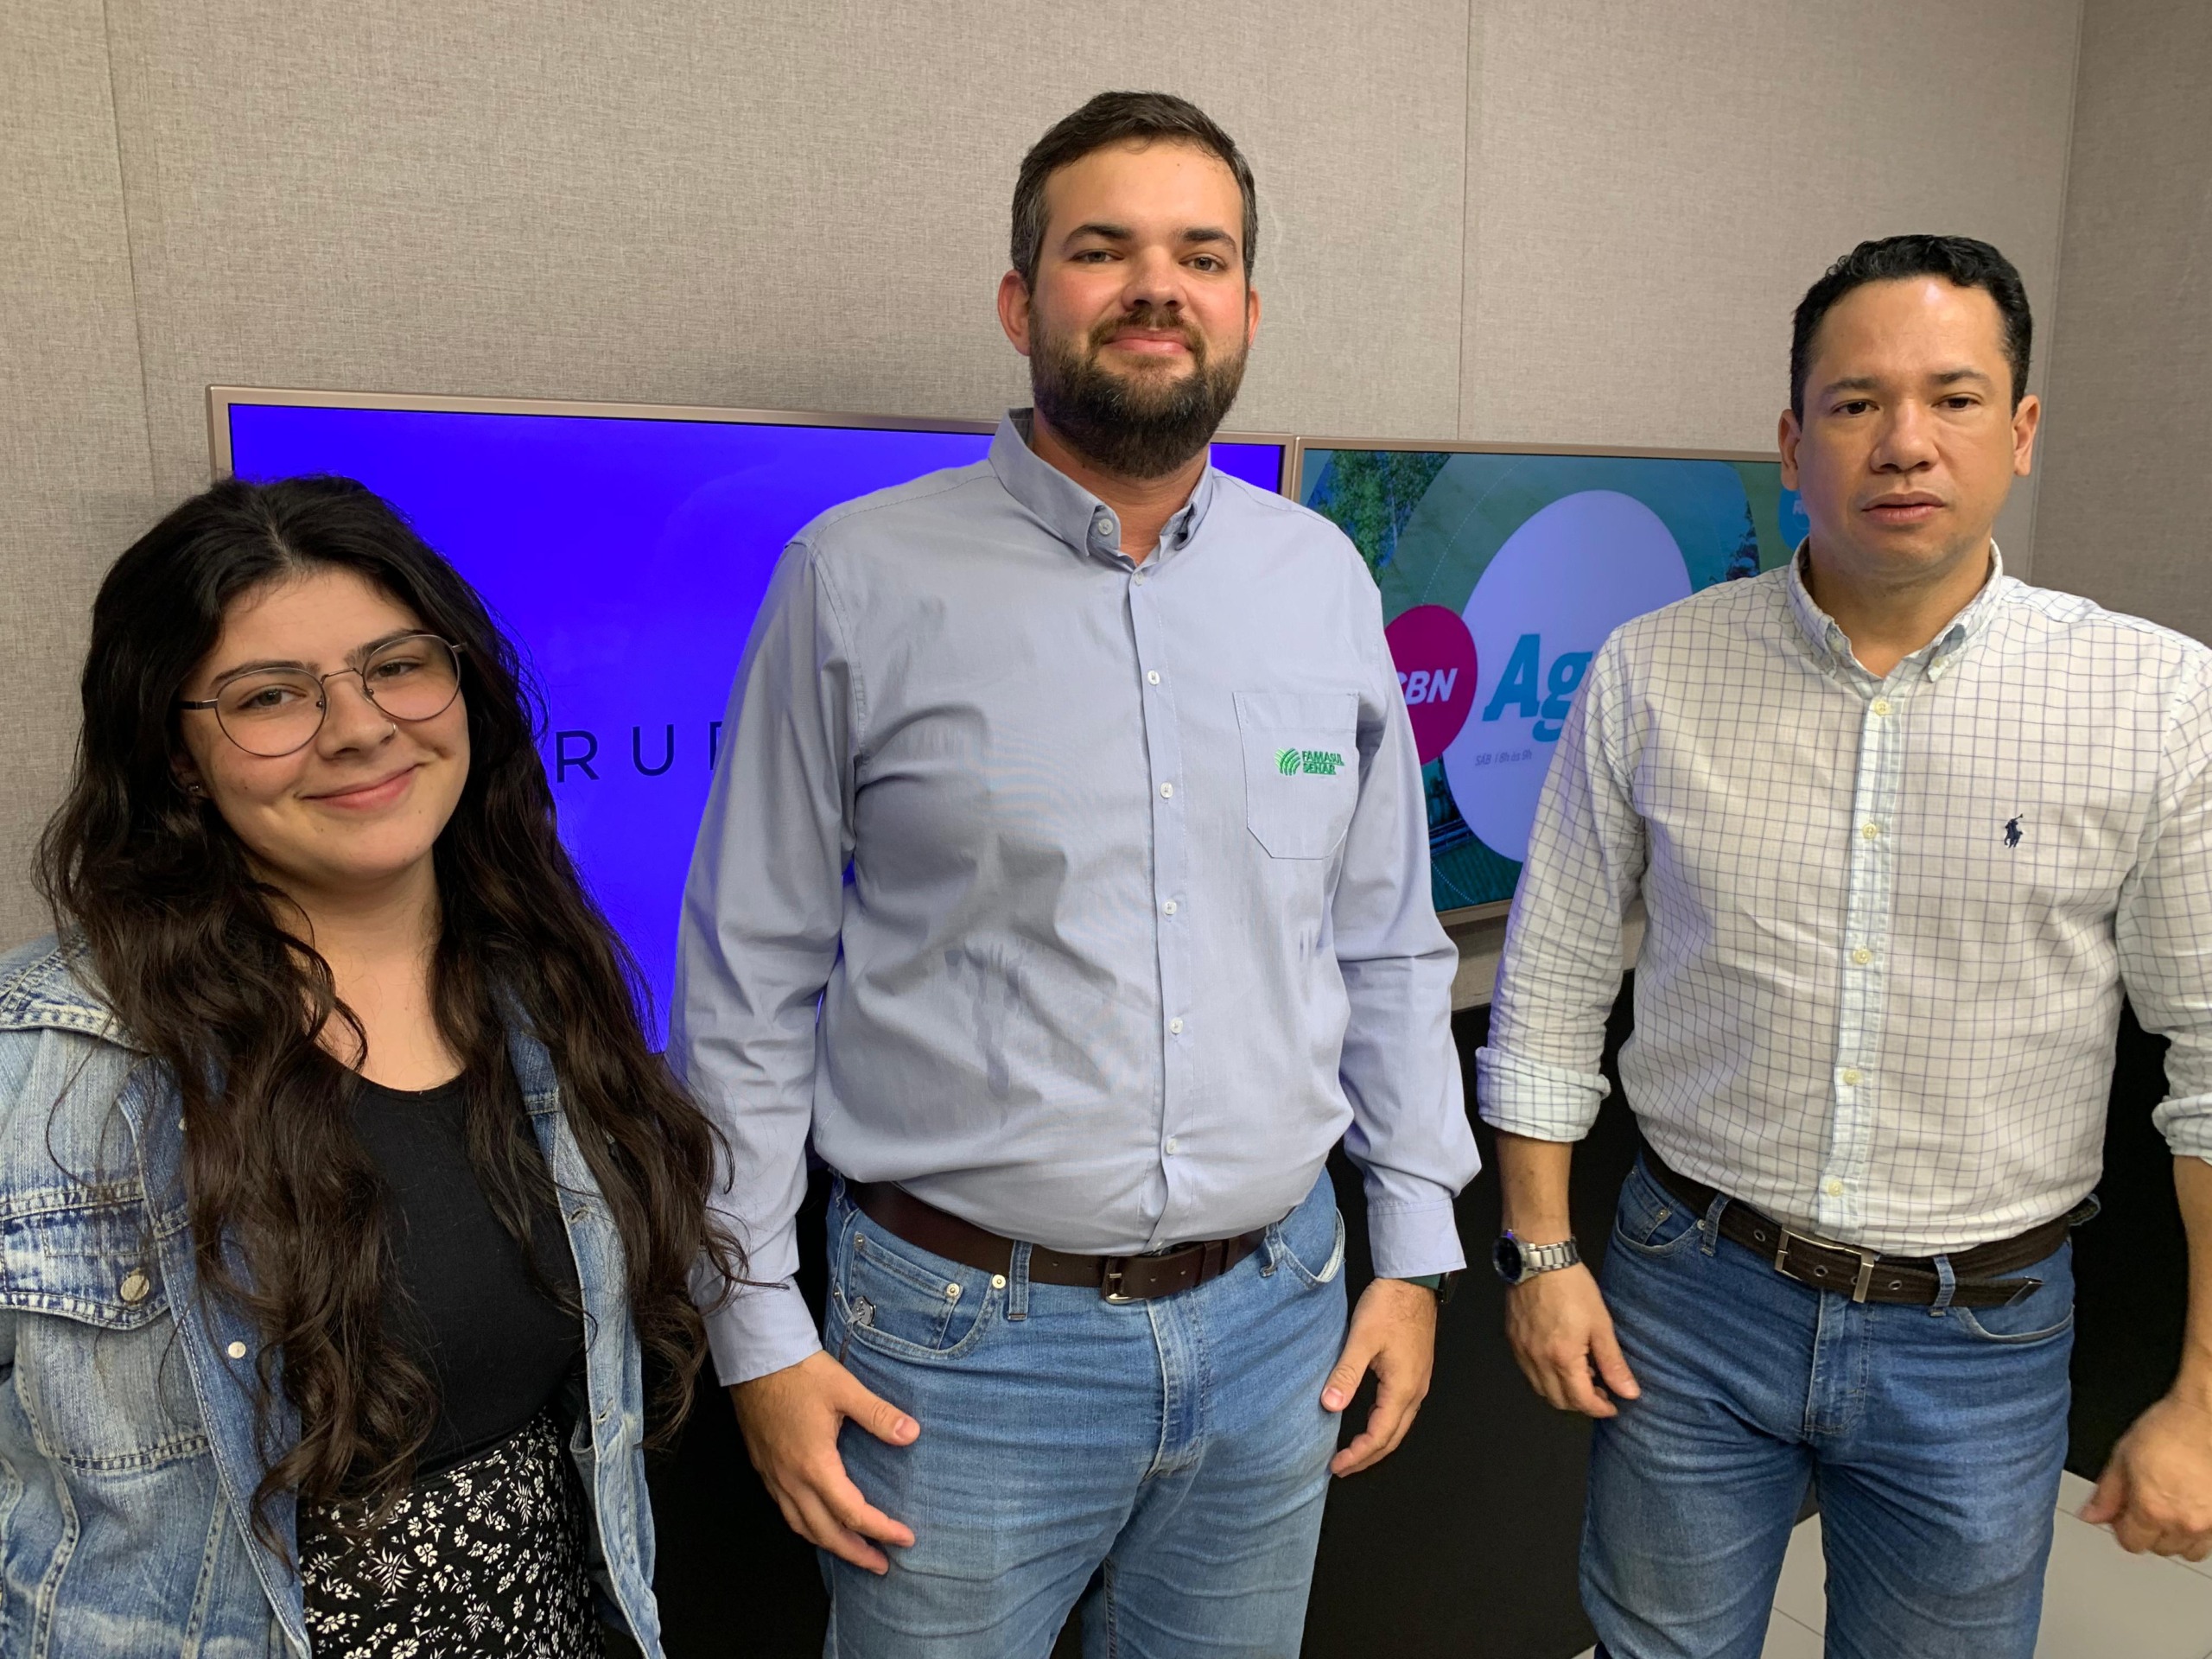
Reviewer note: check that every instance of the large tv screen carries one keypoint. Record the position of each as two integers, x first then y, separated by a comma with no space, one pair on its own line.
625,549
1501,573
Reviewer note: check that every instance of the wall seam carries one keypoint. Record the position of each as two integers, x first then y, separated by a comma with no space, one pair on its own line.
1469,217
130,243
2066,183
2057,281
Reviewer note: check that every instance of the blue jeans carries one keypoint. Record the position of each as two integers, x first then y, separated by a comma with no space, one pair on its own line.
1177,1443
1934,1436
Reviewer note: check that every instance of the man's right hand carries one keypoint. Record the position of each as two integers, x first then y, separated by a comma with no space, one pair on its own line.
1563,1338
790,1419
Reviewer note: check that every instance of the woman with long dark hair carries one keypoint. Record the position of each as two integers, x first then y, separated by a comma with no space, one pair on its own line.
344,1206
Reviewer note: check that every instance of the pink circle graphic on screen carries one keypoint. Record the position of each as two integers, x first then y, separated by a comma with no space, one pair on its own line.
1435,656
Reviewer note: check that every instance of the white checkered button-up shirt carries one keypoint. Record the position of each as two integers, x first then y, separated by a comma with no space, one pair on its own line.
1889,921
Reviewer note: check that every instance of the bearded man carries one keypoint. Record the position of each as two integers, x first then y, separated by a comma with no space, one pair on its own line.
1066,879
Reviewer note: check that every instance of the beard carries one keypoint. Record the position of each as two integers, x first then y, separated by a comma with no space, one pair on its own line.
1138,426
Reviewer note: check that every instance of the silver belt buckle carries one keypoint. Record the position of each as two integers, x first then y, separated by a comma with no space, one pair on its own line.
1110,1282
1867,1259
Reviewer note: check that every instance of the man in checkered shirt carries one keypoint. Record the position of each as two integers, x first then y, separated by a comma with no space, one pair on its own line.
1905,829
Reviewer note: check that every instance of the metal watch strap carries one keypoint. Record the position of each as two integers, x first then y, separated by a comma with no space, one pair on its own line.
1526,1260
1550,1258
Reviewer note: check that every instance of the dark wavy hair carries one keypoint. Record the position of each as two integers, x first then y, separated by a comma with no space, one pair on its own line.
288,1212
1959,260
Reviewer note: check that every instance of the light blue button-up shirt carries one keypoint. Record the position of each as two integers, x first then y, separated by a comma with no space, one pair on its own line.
1109,880
1889,918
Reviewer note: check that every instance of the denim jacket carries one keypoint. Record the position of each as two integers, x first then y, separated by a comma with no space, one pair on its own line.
128,1453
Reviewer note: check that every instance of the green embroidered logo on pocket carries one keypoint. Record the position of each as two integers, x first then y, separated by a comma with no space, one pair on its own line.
1313,763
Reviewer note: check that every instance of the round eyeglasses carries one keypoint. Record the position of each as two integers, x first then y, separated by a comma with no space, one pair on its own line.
278,711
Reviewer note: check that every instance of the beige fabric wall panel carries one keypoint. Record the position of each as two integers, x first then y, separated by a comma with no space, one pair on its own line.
2122,511
1651,188
755,205
74,482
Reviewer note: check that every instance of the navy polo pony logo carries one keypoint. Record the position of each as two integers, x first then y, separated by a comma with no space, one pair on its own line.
2012,829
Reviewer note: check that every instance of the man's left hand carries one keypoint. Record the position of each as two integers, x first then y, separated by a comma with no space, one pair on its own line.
1393,1333
2156,1493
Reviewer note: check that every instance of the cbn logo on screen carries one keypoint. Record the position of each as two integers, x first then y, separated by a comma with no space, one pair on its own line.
1427,685
1437,669
1312,763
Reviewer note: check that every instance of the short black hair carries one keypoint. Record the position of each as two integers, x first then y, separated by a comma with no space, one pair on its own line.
1111,118
1959,260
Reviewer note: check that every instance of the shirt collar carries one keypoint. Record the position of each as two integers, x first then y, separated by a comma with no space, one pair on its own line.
1072,513
1935,659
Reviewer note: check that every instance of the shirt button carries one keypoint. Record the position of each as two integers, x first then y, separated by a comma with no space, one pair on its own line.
1862,956
1835,1187
1851,1077
1167,792
1881,705
1171,1146
1175,1027
1152,676
1169,908
1873,832
134,1287
236,1350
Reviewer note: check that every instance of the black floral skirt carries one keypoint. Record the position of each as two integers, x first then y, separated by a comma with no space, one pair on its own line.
484,1557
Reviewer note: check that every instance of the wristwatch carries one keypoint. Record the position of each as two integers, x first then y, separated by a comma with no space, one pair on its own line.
1443,1284
1517,1263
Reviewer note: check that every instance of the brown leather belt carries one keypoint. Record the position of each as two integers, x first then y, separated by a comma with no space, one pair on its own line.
1868,1275
1118,1278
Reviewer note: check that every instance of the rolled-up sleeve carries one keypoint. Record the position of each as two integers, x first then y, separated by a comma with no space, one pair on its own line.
758,938
2164,929
1560,972
1409,1133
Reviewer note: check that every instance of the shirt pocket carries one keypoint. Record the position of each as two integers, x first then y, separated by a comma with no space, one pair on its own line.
1301,768
99,1371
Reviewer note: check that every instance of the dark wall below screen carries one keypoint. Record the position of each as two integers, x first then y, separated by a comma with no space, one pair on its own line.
1464,1542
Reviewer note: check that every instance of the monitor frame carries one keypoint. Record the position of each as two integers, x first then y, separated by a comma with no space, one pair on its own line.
1469,447
222,399
1465,915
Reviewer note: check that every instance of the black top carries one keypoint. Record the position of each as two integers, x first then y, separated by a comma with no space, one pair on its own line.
497,1342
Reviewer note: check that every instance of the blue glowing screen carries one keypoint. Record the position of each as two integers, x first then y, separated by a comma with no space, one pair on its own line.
626,556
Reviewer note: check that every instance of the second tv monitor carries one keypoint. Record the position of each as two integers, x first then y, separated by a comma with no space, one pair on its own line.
1501,573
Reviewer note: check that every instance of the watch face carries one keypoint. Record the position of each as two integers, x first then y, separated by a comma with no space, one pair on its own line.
1505,1257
